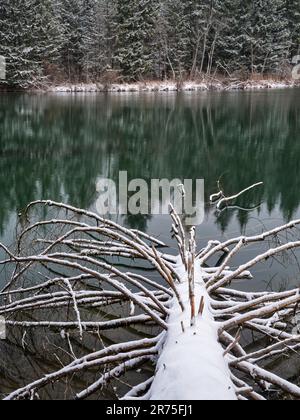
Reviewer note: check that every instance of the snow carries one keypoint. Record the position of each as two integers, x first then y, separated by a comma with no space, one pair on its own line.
130,87
69,88
169,86
268,84
191,364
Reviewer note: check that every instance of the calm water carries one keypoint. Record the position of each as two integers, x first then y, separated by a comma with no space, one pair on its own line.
56,147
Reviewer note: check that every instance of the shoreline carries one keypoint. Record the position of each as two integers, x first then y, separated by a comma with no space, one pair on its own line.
169,87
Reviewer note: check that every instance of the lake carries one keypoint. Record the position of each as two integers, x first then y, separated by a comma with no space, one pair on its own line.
57,146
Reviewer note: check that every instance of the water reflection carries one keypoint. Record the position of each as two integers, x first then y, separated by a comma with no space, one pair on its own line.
57,146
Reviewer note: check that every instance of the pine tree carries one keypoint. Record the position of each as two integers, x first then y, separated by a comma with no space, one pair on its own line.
145,38
90,42
28,39
135,26
49,34
219,16
71,19
265,35
97,38
232,47
194,27
173,38
192,32
293,16
185,25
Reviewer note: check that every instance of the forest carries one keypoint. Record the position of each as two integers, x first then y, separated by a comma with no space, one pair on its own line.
57,41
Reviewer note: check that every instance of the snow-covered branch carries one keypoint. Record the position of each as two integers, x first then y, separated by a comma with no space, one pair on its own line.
198,346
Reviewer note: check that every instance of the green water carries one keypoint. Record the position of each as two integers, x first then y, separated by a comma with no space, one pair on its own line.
57,146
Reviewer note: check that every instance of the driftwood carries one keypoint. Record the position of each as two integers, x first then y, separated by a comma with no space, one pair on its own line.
71,262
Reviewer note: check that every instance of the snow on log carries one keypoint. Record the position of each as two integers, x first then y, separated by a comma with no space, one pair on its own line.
191,364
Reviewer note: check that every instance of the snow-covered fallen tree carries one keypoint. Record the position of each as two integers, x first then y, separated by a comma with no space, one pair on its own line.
77,260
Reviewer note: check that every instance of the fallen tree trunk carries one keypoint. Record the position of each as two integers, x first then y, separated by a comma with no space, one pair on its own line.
191,363
197,351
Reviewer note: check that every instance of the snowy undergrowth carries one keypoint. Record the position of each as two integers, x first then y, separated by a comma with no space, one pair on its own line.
152,87
191,363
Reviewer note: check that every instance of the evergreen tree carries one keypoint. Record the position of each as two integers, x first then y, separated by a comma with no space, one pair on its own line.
145,38
293,16
218,19
72,14
229,48
265,35
28,40
195,29
173,38
98,38
135,27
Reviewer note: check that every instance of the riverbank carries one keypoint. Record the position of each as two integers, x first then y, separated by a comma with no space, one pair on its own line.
169,86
